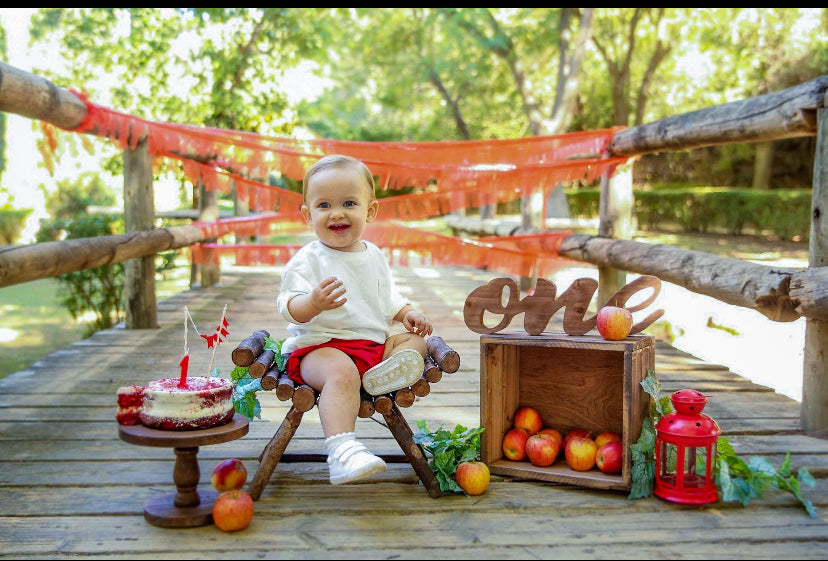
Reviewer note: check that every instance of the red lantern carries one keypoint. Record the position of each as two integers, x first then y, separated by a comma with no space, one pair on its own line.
685,451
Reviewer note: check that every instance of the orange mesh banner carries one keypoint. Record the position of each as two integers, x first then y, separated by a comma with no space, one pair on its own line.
447,176
523,164
523,255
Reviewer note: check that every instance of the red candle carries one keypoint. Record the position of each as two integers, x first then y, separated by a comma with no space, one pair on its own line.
185,362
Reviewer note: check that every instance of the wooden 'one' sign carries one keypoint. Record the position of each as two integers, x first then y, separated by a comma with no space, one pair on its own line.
542,305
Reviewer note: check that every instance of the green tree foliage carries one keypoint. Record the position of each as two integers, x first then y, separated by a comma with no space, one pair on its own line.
73,196
97,291
212,66
434,73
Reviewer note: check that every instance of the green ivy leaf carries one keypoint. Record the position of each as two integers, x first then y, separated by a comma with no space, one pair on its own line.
248,405
447,450
245,387
276,346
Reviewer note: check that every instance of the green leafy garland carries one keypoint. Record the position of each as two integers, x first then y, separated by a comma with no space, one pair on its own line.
245,386
448,449
737,480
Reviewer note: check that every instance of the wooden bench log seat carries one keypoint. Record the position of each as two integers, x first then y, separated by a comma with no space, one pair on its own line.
251,353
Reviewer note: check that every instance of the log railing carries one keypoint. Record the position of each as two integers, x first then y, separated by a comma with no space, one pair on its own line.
781,295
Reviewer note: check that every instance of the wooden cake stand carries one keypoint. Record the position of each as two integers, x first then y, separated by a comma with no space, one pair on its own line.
186,508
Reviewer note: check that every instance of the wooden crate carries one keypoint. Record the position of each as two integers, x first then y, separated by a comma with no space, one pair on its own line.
574,382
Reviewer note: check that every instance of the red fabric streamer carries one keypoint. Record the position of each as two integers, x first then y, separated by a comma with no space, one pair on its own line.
447,176
524,255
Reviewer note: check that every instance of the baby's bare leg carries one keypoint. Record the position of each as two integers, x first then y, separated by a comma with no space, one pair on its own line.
333,374
401,341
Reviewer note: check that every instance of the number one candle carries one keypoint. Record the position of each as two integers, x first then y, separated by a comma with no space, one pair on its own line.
185,361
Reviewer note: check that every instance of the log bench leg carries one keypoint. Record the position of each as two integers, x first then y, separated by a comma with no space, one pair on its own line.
272,453
402,433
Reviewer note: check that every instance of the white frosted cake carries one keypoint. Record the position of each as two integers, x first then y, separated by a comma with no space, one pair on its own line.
202,403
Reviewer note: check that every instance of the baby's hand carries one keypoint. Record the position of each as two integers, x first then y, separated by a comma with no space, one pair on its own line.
417,323
328,295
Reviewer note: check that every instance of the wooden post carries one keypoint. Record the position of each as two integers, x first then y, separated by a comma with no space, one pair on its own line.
616,221
139,214
814,411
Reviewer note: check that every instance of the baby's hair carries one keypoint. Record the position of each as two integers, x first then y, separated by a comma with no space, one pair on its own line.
341,161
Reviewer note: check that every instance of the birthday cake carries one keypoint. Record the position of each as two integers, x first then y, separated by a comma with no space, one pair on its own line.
200,403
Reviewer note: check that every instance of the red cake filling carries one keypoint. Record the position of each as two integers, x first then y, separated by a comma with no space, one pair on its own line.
130,401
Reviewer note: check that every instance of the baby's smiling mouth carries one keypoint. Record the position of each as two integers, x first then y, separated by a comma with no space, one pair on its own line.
338,227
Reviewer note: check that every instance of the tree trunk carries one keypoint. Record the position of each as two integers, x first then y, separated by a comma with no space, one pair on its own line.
763,165
208,212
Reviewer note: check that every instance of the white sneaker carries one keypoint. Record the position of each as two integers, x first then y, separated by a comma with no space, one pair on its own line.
399,370
351,460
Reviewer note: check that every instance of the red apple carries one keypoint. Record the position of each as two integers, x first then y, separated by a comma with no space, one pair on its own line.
233,510
542,449
228,475
605,437
527,418
580,453
577,432
514,443
609,457
614,323
472,476
554,434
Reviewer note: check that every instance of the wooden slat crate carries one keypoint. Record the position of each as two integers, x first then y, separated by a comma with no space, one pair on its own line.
574,382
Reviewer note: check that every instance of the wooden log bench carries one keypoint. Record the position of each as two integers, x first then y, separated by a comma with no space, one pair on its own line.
251,353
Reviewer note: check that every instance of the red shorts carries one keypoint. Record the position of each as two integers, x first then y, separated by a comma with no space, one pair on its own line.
365,354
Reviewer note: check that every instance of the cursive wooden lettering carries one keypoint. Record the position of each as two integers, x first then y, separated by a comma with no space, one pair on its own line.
544,303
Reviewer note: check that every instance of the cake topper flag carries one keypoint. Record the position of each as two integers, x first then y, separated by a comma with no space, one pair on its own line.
213,341
218,337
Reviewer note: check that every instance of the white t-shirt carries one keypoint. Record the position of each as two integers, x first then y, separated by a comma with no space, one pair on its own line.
372,296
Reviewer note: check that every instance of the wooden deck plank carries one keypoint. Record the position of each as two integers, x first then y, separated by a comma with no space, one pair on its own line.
70,487
315,532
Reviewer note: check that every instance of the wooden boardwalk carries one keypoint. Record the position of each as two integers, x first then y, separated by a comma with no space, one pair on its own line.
69,487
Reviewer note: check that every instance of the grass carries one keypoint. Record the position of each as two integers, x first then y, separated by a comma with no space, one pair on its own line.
33,323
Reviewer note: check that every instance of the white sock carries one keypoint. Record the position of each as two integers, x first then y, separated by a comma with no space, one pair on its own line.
335,440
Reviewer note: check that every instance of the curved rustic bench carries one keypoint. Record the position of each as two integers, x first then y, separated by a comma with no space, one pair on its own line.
250,353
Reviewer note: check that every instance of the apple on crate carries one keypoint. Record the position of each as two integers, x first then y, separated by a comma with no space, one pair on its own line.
581,433
580,453
607,436
228,475
233,510
528,418
472,476
556,435
614,323
609,457
542,449
514,444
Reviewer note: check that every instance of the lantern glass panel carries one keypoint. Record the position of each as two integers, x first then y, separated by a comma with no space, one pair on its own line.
667,463
695,465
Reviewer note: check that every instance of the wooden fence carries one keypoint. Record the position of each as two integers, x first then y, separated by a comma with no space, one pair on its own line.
780,294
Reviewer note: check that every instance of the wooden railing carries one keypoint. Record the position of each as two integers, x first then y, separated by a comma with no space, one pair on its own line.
780,294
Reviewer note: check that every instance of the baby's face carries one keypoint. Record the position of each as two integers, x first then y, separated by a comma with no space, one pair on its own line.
338,207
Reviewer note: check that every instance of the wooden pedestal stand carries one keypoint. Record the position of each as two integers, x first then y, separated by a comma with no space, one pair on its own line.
186,508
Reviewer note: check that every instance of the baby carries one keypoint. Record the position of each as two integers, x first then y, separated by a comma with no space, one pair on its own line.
340,299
